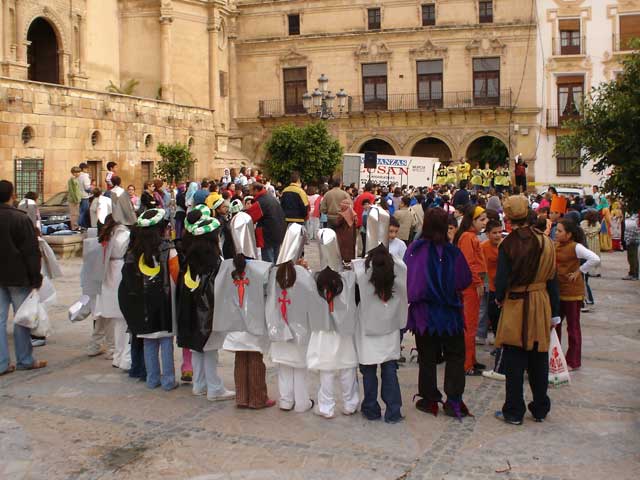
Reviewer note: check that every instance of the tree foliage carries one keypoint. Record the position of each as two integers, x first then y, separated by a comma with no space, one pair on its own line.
176,162
310,150
608,134
491,150
128,88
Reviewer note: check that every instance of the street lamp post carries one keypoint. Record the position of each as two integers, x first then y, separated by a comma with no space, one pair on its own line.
321,101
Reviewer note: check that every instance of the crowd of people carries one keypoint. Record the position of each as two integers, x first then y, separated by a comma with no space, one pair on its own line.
220,264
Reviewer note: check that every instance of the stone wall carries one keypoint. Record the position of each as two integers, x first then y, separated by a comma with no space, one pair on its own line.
63,120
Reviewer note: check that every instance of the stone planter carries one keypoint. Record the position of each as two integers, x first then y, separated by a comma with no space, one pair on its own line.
65,246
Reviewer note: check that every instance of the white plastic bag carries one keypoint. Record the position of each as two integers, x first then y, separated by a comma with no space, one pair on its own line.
80,309
27,314
558,368
47,292
43,328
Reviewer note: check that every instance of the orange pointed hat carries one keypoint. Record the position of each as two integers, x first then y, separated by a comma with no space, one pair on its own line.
558,204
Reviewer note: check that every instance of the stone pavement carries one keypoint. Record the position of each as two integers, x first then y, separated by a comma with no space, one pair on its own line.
82,419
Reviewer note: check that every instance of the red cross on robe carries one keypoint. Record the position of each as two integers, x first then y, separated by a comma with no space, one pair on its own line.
240,284
284,301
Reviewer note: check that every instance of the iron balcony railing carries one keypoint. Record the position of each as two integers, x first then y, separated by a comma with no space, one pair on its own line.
557,118
403,102
560,49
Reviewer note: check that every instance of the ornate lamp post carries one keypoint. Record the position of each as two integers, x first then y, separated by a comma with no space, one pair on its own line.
321,101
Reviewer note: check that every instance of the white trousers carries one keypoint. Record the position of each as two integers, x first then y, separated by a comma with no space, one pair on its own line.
294,392
122,348
101,336
327,394
205,373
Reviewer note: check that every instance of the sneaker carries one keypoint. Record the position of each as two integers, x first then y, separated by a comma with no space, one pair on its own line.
585,309
187,376
225,395
479,366
493,375
38,342
323,415
349,412
481,341
629,277
473,372
95,353
199,393
511,421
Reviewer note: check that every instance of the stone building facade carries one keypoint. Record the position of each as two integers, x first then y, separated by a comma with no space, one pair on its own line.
422,77
581,44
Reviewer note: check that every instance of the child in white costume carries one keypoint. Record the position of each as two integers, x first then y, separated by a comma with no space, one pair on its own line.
241,287
382,313
333,351
292,307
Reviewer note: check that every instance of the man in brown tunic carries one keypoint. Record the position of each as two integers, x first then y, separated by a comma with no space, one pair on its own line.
527,289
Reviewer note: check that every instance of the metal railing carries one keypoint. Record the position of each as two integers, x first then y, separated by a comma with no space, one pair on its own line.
559,49
558,119
404,102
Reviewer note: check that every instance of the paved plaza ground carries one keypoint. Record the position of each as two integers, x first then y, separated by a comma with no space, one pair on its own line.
81,419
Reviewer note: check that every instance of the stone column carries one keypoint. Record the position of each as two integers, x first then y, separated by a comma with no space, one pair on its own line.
233,79
21,45
214,90
3,16
165,58
82,31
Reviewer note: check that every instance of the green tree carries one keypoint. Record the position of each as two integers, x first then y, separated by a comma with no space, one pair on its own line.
310,150
176,162
608,135
491,150
128,88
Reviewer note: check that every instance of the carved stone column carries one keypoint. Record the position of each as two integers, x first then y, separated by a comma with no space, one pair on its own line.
165,58
214,89
3,40
233,78
21,45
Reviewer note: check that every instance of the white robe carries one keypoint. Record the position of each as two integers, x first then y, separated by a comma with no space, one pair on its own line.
107,305
391,317
335,349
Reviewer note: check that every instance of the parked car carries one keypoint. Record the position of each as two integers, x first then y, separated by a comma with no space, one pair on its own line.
55,210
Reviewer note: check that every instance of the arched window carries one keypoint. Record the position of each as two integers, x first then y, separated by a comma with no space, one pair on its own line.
42,53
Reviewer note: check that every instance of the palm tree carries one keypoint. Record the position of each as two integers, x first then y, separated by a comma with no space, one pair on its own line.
127,89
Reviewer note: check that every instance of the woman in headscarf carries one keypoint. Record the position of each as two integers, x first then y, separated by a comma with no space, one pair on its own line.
346,231
605,232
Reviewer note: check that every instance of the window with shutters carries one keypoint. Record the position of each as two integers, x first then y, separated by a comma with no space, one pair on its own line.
629,29
570,38
294,24
486,81
485,11
429,83
428,14
373,19
374,86
295,84
570,95
568,164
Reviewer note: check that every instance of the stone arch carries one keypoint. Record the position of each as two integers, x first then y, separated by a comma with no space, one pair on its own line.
357,145
54,20
473,148
413,142
43,53
469,139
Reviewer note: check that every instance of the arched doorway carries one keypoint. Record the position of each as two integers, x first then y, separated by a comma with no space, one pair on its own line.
432,147
42,53
488,149
377,145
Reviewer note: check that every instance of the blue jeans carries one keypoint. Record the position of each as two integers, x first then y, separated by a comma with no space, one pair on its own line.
137,369
270,253
390,391
483,324
21,335
83,218
168,376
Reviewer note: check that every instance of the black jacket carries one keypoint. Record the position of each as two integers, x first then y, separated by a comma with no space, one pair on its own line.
272,222
19,251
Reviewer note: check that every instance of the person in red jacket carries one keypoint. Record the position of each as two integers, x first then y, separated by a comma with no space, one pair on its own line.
466,239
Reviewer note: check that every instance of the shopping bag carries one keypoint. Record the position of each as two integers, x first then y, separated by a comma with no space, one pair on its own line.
27,314
80,309
558,368
47,292
43,327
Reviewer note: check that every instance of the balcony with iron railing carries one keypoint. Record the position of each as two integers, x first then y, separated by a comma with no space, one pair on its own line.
568,47
559,118
401,102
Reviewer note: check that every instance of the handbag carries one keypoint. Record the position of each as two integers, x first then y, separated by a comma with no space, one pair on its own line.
558,368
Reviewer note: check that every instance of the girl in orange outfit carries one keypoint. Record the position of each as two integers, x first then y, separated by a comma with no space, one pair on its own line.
466,239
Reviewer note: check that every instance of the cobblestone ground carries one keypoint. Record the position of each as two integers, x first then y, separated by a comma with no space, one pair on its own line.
82,419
